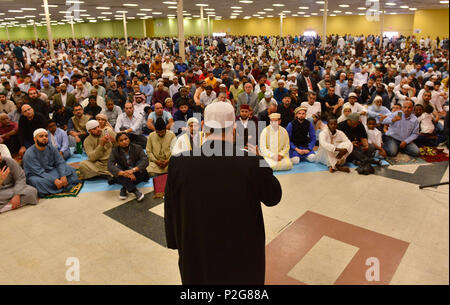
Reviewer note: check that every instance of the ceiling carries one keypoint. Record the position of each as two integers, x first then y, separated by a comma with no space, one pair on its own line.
11,13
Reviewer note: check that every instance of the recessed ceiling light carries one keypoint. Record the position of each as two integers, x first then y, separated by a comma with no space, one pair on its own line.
413,9
390,4
103,8
278,5
201,4
209,9
156,13
247,17
141,14
146,9
404,6
337,11
173,7
303,7
348,13
314,14
320,2
74,1
28,9
268,9
362,8
130,4
106,13
443,2
286,12
15,11
122,12
169,2
245,1
344,5
236,7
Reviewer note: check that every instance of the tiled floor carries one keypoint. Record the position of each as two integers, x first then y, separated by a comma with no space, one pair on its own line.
36,241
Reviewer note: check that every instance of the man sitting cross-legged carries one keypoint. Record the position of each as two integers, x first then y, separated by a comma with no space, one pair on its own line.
274,144
302,136
45,169
98,147
334,147
14,192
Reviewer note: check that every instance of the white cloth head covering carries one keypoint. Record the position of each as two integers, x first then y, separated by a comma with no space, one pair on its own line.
38,131
91,124
192,120
274,116
219,115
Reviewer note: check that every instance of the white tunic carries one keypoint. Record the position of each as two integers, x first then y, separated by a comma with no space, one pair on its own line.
327,147
273,143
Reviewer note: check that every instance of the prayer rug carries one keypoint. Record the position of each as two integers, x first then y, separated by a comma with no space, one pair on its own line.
433,154
404,159
73,192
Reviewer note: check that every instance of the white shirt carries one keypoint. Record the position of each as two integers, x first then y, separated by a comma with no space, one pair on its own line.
426,123
374,137
312,109
207,99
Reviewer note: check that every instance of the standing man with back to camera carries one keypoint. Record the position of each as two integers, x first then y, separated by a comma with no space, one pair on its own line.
218,229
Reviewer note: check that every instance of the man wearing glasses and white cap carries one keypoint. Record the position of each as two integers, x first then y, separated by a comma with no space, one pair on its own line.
218,228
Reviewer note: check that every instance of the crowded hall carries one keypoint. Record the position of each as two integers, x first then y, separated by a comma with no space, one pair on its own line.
112,121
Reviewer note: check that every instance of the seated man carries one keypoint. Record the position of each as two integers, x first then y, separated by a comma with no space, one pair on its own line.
45,169
98,149
59,139
183,114
332,105
274,144
128,164
403,131
286,110
378,111
189,140
14,192
8,132
28,123
334,148
356,133
76,127
302,136
131,122
92,108
313,106
112,111
159,148
159,113
356,107
246,127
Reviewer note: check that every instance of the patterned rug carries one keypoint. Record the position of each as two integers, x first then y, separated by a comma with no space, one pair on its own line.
404,159
73,192
433,154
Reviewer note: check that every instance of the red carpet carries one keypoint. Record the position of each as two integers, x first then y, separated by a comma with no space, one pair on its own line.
433,154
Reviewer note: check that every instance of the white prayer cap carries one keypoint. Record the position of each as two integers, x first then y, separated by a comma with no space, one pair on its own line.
391,85
406,86
275,116
192,120
219,115
268,94
377,98
91,124
429,84
353,94
281,81
38,131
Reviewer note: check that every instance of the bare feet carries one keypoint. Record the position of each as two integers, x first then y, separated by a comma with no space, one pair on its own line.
343,169
332,170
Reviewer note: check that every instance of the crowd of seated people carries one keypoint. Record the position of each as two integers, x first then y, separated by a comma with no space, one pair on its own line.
131,106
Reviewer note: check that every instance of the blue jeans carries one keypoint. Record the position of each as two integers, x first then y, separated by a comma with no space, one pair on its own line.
392,146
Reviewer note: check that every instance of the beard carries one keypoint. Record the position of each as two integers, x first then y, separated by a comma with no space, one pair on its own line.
41,144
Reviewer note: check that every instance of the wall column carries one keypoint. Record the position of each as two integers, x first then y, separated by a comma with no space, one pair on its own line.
180,30
325,17
35,30
49,30
145,28
381,24
125,34
203,28
73,29
7,33
281,25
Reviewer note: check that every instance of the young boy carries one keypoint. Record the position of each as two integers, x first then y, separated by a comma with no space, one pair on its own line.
375,137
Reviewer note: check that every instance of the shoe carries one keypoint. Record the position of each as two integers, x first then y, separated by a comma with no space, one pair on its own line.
111,180
139,195
123,193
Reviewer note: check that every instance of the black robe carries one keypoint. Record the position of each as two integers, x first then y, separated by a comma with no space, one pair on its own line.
213,217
